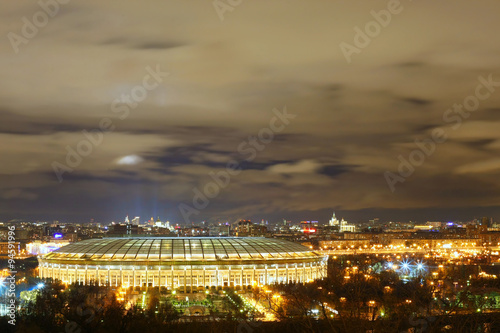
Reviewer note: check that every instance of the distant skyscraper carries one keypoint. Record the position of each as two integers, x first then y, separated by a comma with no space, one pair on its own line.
343,225
126,220
333,221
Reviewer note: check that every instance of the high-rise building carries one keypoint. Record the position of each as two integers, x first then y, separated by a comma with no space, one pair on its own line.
343,225
487,221
333,221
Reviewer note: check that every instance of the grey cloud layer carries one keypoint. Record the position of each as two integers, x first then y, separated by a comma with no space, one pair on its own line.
353,120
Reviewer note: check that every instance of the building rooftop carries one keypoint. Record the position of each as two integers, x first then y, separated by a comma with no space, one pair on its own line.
182,248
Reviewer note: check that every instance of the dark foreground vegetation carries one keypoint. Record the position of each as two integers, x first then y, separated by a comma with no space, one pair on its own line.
358,295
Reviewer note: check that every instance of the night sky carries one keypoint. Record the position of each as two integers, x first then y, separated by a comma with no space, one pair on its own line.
351,119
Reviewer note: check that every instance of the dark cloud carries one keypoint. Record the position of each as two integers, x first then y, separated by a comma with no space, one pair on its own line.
334,170
176,156
158,45
479,144
142,43
416,101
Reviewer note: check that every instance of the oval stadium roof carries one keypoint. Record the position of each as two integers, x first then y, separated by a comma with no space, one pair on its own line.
182,249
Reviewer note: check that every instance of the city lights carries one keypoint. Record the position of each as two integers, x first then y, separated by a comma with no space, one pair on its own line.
250,166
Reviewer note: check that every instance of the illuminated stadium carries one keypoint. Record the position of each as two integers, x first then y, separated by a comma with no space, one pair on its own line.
186,264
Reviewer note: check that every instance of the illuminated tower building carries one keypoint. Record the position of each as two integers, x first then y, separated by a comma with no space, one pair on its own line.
343,225
136,220
333,221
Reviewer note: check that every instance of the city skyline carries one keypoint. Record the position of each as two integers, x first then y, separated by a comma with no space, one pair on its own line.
421,217
196,113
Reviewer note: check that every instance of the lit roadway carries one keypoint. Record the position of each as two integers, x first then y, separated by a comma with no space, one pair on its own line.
403,250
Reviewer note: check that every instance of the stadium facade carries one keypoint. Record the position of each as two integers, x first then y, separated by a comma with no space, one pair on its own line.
186,264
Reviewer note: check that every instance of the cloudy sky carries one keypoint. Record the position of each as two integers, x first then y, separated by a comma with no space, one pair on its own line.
231,70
